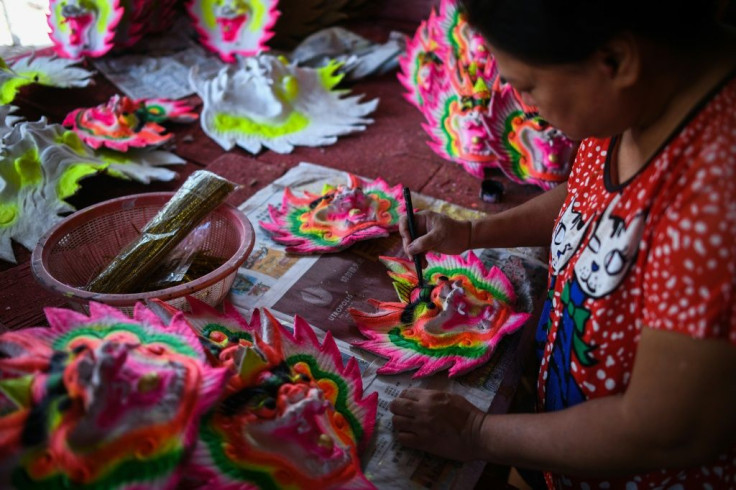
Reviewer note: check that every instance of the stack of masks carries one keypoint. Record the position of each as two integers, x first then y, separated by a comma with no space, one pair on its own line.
473,118
202,400
93,27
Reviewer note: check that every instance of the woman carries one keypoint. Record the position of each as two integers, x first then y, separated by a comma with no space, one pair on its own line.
637,341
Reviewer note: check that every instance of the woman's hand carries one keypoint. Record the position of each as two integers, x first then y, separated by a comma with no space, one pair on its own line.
435,233
440,423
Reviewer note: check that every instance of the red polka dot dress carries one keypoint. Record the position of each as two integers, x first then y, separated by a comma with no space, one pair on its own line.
657,251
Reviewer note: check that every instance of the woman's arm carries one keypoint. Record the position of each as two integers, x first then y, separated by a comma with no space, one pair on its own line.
529,224
676,412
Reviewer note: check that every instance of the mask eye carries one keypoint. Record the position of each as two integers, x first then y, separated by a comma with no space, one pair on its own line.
594,244
263,406
614,262
560,234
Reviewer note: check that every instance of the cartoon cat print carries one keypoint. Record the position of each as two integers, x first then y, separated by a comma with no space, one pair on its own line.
610,252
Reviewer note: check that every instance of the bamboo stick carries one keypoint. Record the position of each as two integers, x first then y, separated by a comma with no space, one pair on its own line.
202,192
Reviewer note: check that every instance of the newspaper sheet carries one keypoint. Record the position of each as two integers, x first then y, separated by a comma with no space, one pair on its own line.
161,67
322,289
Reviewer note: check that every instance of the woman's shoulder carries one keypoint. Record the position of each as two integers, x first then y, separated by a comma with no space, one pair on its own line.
714,117
707,138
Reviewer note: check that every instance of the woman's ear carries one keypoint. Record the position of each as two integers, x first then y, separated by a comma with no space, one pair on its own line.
620,60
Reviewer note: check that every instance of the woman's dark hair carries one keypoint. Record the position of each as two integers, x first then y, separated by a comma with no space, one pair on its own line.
562,31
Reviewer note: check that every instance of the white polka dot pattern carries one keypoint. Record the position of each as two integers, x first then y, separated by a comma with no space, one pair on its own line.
676,273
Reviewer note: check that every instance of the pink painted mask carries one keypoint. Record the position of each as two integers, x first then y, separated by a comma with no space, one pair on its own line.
454,322
92,28
460,131
529,150
230,24
337,218
123,123
423,73
21,357
79,21
473,134
117,403
234,27
469,59
473,118
83,27
291,416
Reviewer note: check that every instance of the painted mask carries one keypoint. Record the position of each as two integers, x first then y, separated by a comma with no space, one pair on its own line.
122,122
49,71
83,27
336,219
474,119
472,133
460,131
422,71
291,416
7,121
230,27
456,121
20,357
529,150
118,402
91,28
265,102
34,182
466,48
454,322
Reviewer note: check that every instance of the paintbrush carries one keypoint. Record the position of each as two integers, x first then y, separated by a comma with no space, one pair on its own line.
413,235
